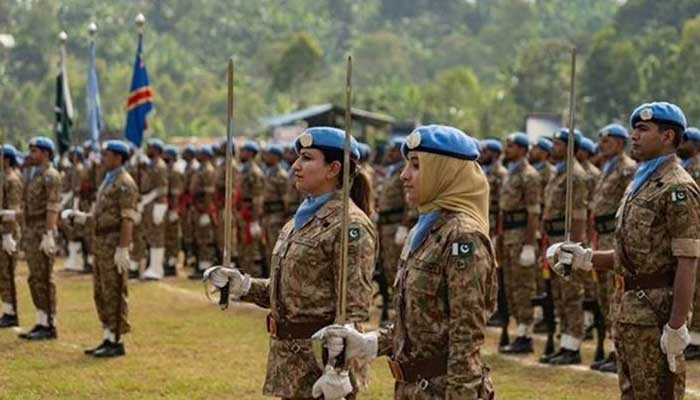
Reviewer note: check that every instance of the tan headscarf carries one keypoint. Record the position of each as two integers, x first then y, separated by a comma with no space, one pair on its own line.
453,184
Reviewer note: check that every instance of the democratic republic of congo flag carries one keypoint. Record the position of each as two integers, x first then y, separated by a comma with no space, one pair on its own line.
140,99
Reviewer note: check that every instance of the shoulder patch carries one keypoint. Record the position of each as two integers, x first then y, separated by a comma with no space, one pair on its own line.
354,233
678,195
462,249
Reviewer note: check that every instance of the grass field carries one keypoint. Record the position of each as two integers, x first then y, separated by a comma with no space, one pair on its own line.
183,347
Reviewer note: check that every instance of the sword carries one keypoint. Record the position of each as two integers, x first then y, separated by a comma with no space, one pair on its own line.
341,304
568,216
224,295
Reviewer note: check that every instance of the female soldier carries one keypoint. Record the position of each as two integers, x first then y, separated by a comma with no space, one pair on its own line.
446,284
301,291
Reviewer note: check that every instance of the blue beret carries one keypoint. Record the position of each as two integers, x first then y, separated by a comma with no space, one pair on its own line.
157,143
11,152
444,140
660,112
251,146
76,150
397,142
614,130
520,139
275,149
206,149
492,144
545,144
587,145
117,146
42,142
190,148
326,138
223,144
171,150
692,133
365,150
563,134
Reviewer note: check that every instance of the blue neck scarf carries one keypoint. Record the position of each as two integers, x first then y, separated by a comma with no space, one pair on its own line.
609,165
538,165
110,176
686,162
514,166
308,208
561,167
395,168
645,169
421,229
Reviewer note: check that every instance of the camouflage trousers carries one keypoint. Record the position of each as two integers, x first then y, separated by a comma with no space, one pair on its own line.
642,368
110,287
8,291
250,253
154,234
138,243
477,385
390,252
204,238
187,229
568,303
519,284
41,282
606,283
233,243
272,226
172,238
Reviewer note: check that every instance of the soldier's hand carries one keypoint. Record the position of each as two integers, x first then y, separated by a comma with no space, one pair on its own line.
122,259
219,277
159,210
577,256
527,256
400,235
332,385
356,344
9,245
48,244
673,342
255,229
8,215
204,220
66,214
80,217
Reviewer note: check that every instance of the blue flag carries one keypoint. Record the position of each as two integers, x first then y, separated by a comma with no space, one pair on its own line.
94,113
140,99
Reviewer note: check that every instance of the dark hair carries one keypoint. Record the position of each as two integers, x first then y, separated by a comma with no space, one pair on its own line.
13,160
675,128
361,190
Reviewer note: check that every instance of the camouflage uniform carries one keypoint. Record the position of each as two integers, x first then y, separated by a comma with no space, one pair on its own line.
185,209
606,200
301,295
519,199
116,201
221,205
203,187
252,190
12,188
155,177
41,195
693,168
393,213
176,182
568,295
495,175
138,244
654,226
275,213
445,290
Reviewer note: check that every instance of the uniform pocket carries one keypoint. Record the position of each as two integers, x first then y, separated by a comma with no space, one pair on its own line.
424,277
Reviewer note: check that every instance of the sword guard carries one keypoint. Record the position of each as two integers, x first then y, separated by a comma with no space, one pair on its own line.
224,295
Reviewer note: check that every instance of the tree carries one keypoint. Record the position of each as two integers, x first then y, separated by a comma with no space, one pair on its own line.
298,63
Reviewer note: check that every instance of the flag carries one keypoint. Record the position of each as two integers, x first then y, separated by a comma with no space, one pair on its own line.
94,113
140,102
63,107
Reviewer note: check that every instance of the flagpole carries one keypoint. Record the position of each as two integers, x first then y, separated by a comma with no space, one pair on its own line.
63,38
92,30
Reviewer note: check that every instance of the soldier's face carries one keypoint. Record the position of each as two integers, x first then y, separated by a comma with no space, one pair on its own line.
649,142
110,160
513,151
610,146
36,156
409,178
559,150
312,174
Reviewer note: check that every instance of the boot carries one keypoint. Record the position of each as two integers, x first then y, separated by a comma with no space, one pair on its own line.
155,268
692,352
40,332
110,349
133,270
9,321
75,256
198,273
610,358
92,350
546,358
567,357
609,367
521,345
87,269
171,266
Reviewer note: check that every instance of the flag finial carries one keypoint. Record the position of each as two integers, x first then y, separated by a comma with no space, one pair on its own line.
63,36
92,28
140,21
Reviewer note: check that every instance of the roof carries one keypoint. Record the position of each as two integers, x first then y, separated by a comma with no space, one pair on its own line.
312,113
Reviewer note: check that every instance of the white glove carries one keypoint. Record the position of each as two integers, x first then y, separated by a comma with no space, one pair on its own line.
357,345
8,215
139,208
80,217
400,235
333,385
137,217
673,342
8,243
255,229
173,216
122,259
159,210
219,277
576,256
527,256
48,244
67,213
204,220
147,199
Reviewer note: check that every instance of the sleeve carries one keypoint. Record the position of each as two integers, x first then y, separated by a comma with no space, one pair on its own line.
470,272
532,193
580,198
362,249
683,216
53,186
161,181
75,180
128,199
13,201
208,183
259,293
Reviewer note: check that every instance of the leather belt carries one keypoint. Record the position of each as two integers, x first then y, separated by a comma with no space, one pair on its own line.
419,369
554,227
273,206
656,280
35,218
393,216
287,330
514,219
604,224
106,230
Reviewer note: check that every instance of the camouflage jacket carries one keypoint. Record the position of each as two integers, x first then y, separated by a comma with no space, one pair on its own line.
115,201
555,201
252,187
446,291
275,190
176,185
302,288
202,185
41,194
155,177
520,192
495,176
693,168
592,178
12,188
545,173
220,179
655,226
609,191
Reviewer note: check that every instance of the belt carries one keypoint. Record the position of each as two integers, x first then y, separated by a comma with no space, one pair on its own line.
286,330
393,216
419,369
273,206
35,218
554,227
656,280
604,224
514,219
106,230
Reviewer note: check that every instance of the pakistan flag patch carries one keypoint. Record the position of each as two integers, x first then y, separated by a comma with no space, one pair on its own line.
354,234
463,249
678,195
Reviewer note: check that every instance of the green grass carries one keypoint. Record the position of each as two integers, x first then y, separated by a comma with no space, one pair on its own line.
183,347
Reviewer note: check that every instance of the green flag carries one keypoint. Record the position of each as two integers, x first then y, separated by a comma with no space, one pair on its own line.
63,107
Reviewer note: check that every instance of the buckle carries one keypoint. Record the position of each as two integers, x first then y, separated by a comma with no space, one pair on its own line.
641,295
396,371
423,384
295,348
